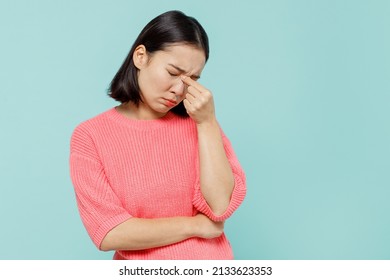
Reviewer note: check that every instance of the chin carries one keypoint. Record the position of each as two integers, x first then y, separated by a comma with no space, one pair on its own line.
162,109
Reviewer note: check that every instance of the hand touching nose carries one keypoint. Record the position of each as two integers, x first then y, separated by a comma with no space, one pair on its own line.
198,101
179,88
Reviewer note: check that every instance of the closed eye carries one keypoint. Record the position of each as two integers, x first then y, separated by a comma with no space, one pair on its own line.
173,74
176,74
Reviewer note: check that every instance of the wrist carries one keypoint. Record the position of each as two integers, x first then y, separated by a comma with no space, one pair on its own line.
190,227
207,124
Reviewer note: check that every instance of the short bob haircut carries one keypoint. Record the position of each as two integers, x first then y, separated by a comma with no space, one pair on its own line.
166,29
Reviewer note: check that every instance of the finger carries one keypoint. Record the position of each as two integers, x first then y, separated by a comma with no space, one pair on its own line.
188,81
193,91
187,105
190,98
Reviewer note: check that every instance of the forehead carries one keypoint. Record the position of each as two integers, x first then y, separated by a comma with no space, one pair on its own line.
187,57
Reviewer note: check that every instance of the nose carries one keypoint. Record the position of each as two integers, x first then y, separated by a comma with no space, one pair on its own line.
178,88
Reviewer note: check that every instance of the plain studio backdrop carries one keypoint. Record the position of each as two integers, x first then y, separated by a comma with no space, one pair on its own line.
302,89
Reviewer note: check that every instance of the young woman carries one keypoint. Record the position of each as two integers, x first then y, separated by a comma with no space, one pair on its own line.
155,177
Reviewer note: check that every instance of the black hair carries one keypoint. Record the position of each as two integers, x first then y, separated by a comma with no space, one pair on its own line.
164,30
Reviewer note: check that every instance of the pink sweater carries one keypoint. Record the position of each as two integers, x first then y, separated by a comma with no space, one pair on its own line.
123,168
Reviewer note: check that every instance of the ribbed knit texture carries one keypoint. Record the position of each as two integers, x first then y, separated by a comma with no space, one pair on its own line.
123,168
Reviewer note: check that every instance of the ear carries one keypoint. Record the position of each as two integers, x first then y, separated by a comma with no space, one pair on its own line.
140,57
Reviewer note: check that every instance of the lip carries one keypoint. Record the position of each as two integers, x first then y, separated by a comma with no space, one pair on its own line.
170,102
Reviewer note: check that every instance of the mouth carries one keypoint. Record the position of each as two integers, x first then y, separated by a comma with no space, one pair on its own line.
170,102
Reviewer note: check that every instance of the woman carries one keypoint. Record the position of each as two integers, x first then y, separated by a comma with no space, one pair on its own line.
155,177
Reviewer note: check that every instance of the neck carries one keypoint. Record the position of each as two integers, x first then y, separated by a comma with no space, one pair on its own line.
140,112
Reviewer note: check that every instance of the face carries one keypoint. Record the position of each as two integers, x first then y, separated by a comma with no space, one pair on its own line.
159,76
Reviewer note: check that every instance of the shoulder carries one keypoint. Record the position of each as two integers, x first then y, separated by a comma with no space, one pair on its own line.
91,124
86,131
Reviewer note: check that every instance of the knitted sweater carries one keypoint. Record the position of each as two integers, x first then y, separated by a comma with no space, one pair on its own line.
123,168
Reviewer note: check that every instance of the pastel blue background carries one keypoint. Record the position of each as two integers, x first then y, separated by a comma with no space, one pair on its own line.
301,88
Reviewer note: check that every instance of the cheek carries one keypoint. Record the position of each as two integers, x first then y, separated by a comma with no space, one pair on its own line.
161,80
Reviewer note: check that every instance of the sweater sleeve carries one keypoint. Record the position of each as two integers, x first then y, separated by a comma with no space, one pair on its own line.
99,207
238,193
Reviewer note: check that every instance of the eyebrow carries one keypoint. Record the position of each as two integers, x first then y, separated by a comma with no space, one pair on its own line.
183,71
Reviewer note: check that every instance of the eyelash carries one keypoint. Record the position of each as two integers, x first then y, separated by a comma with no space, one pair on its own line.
176,75
172,74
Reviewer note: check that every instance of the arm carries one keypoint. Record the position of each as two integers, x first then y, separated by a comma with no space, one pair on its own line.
216,176
138,234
